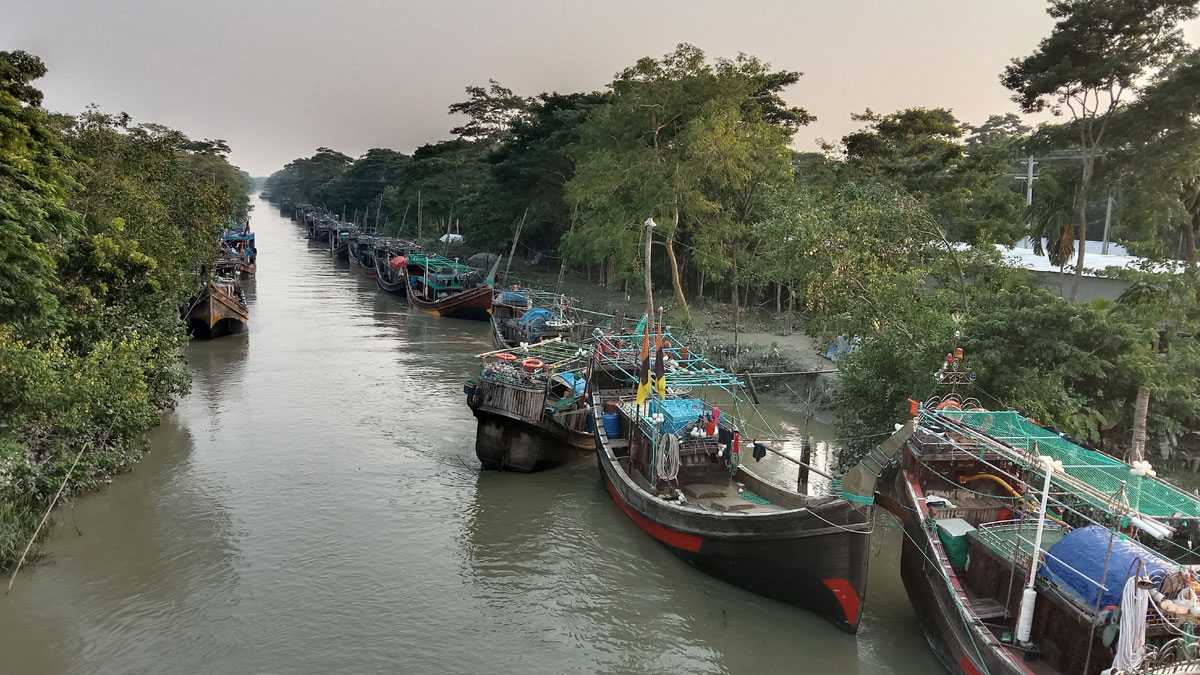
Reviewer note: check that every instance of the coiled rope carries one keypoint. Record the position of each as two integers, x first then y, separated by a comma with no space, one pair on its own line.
667,466
1132,640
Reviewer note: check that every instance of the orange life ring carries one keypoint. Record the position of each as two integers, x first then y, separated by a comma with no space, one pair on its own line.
949,405
532,365
505,356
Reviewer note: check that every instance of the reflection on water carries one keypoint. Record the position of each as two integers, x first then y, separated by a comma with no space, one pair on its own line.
315,506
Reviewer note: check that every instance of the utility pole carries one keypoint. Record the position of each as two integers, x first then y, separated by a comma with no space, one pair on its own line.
1107,225
1029,178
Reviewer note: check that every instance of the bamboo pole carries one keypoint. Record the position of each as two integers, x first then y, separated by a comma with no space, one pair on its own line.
513,250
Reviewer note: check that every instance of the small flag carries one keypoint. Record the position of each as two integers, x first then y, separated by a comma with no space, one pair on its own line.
660,373
643,388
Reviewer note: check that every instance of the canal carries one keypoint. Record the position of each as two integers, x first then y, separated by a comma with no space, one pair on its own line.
315,506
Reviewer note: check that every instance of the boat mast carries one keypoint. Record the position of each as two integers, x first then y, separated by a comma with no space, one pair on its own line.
513,251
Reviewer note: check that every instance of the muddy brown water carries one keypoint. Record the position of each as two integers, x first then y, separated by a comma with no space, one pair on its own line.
315,506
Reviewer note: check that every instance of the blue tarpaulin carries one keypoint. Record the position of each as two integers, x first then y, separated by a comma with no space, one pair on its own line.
576,382
514,297
1083,549
536,316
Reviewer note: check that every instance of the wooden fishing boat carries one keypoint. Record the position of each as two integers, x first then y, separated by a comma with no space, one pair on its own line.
339,240
361,254
320,227
525,316
391,255
674,466
1021,549
444,287
530,406
239,254
218,309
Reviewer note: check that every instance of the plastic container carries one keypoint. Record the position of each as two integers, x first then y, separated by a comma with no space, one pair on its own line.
610,407
612,425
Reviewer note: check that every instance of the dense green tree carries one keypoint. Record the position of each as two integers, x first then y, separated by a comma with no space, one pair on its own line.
1098,54
529,170
491,111
104,227
302,179
961,179
35,184
695,145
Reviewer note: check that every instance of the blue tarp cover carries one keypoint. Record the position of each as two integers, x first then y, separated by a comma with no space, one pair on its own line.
1083,549
513,297
575,382
536,316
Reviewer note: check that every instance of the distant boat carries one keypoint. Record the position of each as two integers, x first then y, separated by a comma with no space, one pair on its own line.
530,406
444,287
219,309
239,253
391,255
525,316
361,254
339,240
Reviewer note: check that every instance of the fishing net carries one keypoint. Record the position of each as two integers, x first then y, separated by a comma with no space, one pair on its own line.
1150,496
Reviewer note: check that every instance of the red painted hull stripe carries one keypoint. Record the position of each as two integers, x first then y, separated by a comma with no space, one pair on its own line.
844,591
967,667
687,542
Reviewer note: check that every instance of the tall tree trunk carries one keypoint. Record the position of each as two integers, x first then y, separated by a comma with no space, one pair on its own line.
734,297
700,294
1189,244
1089,163
778,293
687,313
791,300
1140,408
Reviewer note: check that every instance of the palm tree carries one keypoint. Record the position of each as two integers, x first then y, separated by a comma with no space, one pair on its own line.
1052,215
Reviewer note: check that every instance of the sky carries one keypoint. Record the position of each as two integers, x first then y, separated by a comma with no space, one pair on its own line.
279,79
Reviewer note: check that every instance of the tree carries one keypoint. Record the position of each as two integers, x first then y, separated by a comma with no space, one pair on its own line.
491,110
1098,53
530,168
35,184
961,181
1156,161
693,144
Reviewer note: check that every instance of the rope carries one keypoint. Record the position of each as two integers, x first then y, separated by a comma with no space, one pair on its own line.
1132,640
667,468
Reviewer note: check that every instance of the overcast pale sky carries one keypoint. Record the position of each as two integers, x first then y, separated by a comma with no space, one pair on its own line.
279,79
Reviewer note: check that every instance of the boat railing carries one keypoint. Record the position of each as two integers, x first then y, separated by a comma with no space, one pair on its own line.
1012,549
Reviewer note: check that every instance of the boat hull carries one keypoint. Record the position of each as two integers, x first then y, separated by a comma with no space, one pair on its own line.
475,305
216,314
396,287
813,560
959,644
505,444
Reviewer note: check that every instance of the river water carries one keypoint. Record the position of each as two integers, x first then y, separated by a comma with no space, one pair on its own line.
315,506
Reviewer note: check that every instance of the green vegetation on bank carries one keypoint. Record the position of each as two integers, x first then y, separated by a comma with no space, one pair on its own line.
887,234
104,227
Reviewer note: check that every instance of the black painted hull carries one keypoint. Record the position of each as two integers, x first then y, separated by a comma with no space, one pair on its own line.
957,643
812,558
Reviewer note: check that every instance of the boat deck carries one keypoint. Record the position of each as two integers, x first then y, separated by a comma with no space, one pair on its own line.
710,497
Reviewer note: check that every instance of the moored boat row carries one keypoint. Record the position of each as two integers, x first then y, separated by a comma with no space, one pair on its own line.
1024,551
